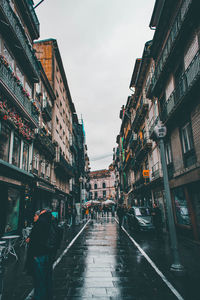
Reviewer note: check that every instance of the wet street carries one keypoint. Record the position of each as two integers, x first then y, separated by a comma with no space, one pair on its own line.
104,264
98,260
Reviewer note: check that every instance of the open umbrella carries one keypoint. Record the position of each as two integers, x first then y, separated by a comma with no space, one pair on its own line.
108,202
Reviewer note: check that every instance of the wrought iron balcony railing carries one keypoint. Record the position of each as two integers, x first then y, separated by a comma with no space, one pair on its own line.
33,14
9,81
156,172
140,113
170,41
20,33
153,122
133,140
45,143
187,80
47,111
62,165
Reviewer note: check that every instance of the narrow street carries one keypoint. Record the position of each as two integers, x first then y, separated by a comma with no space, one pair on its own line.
98,260
104,263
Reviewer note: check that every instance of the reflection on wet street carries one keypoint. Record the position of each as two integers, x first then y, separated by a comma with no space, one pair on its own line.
104,264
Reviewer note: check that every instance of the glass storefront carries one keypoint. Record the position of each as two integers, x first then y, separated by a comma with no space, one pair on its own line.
181,208
12,210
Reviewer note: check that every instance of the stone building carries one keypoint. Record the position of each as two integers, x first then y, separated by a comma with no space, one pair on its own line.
48,54
175,85
102,184
19,113
165,85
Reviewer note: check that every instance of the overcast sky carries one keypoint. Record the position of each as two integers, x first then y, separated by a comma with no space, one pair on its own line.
99,41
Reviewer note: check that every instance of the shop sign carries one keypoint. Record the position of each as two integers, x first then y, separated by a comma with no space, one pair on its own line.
145,173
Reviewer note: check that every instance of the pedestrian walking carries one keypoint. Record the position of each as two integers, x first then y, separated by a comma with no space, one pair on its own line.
157,220
120,214
43,243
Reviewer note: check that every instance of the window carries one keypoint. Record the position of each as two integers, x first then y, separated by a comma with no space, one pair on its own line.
8,57
95,195
181,209
189,156
25,159
104,194
12,210
48,171
168,153
95,186
186,136
36,162
5,134
42,168
28,88
20,75
16,151
104,185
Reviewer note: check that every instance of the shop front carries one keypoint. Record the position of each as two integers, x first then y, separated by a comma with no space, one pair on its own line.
43,195
14,201
186,203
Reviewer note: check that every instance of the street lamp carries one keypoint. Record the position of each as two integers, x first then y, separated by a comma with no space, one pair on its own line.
160,132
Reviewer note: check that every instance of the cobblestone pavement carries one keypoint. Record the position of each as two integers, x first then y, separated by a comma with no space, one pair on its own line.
103,263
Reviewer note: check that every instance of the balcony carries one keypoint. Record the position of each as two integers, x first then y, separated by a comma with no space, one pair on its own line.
141,183
33,15
156,172
44,143
176,28
187,81
147,143
46,111
63,167
152,124
75,189
144,146
140,114
11,85
19,35
133,140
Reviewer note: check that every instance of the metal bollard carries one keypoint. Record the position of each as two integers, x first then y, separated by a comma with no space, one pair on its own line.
1,270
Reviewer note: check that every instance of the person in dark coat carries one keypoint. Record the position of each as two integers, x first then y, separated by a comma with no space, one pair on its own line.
41,250
120,214
157,220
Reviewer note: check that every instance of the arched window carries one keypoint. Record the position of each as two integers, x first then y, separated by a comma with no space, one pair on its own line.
95,186
104,185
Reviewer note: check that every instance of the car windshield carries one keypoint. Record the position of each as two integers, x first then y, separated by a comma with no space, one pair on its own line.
142,211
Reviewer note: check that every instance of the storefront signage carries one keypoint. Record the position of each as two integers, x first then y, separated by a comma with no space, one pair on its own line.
145,173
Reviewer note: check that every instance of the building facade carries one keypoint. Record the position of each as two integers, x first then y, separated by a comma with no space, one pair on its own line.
37,121
19,114
102,184
165,85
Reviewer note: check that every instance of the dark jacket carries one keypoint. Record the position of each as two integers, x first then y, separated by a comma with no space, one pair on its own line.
39,236
120,212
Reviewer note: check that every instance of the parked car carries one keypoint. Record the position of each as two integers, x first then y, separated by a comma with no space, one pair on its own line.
139,218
